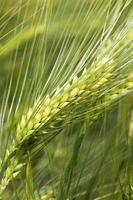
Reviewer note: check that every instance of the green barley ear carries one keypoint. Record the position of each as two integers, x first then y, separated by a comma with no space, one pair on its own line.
73,75
77,91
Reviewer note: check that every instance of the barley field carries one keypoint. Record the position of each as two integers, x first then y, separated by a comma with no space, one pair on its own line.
66,99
